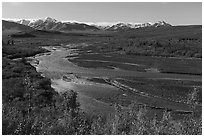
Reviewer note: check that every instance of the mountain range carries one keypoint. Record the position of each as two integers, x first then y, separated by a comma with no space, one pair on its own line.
51,24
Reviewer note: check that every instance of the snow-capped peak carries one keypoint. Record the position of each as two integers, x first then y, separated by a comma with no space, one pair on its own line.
48,19
161,23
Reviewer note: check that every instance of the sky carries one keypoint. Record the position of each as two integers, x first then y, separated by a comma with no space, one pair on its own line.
138,12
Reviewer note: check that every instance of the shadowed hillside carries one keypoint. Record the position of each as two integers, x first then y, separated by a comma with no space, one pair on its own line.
12,27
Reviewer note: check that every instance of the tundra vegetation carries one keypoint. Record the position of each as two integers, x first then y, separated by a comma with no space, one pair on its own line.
31,107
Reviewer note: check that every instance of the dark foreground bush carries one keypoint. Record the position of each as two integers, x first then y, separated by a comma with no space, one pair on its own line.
67,118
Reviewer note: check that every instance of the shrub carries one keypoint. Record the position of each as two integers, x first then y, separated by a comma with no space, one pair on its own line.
193,98
44,83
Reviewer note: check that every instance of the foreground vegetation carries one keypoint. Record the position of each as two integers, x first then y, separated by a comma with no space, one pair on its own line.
67,118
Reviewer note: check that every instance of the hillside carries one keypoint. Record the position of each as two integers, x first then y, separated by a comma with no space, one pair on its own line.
12,27
174,41
193,31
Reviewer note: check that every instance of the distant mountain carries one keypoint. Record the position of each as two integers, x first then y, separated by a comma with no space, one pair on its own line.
120,26
160,23
12,27
54,25
24,22
129,26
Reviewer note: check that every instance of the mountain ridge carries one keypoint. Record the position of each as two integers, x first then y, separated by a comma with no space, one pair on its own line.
49,23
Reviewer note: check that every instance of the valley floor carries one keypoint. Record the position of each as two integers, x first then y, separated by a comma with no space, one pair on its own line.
111,89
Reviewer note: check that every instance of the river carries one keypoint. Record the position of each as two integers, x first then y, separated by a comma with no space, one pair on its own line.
67,76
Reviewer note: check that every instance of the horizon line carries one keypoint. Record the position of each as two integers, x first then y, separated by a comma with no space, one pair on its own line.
105,23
